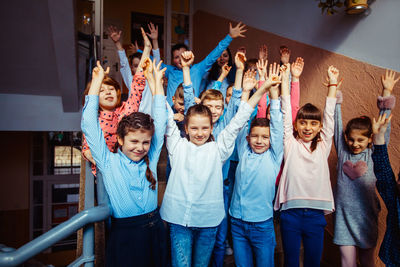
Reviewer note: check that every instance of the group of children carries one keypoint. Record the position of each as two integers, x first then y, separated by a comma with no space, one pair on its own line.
228,148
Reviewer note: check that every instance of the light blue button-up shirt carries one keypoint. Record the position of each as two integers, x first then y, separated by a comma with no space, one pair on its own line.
125,180
197,71
254,188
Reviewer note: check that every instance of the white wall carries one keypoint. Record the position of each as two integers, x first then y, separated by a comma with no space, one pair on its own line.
36,113
374,39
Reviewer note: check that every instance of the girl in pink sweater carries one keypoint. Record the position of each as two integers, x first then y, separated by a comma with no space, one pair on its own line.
304,193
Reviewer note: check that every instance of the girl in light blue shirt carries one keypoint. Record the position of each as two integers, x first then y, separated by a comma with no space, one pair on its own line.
137,236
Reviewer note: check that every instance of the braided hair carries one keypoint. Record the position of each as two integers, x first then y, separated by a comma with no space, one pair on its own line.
138,121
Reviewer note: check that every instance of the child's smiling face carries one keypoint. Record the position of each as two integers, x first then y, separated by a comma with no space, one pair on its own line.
108,97
357,141
136,144
259,139
307,129
198,129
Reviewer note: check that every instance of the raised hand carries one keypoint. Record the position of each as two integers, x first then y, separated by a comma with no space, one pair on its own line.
237,31
285,55
262,68
240,59
225,70
338,85
274,76
242,49
159,73
285,70
187,59
379,128
249,80
133,48
297,67
147,43
98,72
153,31
333,74
147,67
114,34
389,81
263,53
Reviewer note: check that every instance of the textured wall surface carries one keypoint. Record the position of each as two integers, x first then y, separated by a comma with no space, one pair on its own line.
360,88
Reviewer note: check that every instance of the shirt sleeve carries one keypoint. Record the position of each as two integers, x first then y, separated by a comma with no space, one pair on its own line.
287,120
125,69
94,135
386,183
172,133
338,135
188,96
295,98
233,106
328,123
217,85
159,114
206,63
135,95
156,55
276,131
227,137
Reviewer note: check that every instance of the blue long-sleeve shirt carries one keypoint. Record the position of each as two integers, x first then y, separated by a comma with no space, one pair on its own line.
125,180
254,187
197,71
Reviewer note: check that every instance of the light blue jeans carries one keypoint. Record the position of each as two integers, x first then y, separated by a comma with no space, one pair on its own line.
191,246
253,240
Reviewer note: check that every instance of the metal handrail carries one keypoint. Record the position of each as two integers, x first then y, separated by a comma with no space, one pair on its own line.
14,257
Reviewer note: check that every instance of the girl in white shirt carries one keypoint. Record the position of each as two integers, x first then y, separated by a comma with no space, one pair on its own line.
193,201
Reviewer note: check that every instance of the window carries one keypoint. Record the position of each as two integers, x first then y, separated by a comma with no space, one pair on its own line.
56,160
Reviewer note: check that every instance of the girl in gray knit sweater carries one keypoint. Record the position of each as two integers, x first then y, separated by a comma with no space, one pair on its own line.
357,204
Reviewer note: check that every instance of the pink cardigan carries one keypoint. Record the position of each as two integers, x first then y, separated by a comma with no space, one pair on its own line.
305,181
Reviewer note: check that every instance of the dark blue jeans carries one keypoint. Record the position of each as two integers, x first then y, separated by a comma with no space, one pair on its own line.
307,225
191,246
253,240
222,233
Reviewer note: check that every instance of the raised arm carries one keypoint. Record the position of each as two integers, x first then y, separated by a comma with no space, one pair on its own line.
125,69
234,32
286,103
386,182
262,73
328,122
159,114
240,60
276,126
224,73
187,59
296,71
387,102
90,124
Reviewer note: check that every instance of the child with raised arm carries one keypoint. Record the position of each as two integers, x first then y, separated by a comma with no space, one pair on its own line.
304,193
112,110
128,69
174,72
357,204
260,150
193,201
137,235
389,191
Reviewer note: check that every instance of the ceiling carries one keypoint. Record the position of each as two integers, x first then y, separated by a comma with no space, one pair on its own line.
38,50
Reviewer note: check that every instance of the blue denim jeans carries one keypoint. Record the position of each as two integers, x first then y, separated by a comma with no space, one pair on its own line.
253,240
302,224
222,233
191,246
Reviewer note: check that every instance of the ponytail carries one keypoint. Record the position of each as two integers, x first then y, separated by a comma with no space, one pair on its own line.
149,174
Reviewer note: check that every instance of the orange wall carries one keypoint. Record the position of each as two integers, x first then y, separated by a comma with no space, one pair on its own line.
360,88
